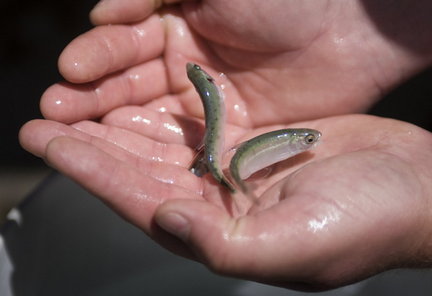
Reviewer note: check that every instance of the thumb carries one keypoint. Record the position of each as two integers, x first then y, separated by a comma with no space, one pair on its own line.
262,247
204,227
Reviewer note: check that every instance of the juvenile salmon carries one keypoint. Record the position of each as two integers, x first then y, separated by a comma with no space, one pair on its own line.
267,149
214,111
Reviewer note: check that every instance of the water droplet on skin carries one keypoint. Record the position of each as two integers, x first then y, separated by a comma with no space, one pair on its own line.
171,127
140,32
240,110
141,119
134,76
163,180
317,225
157,158
224,81
180,31
321,224
338,40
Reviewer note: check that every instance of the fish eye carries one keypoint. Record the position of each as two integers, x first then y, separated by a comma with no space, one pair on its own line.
309,139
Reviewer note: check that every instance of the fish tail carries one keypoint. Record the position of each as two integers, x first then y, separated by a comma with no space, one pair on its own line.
224,181
198,165
249,194
246,190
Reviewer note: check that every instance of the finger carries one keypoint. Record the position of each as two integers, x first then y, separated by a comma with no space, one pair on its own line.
263,246
123,11
165,127
137,145
133,195
36,135
125,145
159,126
107,49
70,103
210,233
184,45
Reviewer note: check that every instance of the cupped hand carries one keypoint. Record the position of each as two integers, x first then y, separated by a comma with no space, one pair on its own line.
356,205
285,61
359,205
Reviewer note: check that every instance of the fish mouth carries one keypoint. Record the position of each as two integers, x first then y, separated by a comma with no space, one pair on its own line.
191,66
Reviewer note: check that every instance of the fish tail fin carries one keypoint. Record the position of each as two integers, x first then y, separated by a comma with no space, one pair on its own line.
224,181
247,191
198,165
249,194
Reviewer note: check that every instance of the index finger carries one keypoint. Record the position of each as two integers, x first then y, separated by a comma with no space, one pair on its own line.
110,48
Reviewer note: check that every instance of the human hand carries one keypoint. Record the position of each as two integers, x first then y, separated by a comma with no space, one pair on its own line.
361,206
285,61
356,205
135,159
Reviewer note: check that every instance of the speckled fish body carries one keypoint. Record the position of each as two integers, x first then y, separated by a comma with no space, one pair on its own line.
267,149
214,112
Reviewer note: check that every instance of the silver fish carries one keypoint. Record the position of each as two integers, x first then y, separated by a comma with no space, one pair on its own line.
267,149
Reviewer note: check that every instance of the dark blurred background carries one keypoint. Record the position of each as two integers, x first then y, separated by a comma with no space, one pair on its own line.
411,102
33,34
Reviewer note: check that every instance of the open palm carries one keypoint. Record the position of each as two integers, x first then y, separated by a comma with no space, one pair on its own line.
316,223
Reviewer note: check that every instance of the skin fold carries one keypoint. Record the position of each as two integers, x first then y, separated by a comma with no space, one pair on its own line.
358,204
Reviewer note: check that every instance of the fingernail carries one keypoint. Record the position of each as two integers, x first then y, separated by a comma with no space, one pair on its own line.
175,224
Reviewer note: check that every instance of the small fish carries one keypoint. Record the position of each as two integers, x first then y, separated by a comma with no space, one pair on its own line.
267,149
214,111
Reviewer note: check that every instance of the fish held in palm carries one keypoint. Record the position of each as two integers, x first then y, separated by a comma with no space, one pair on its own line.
267,149
209,158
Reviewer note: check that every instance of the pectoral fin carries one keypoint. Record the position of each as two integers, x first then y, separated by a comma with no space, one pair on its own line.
198,164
